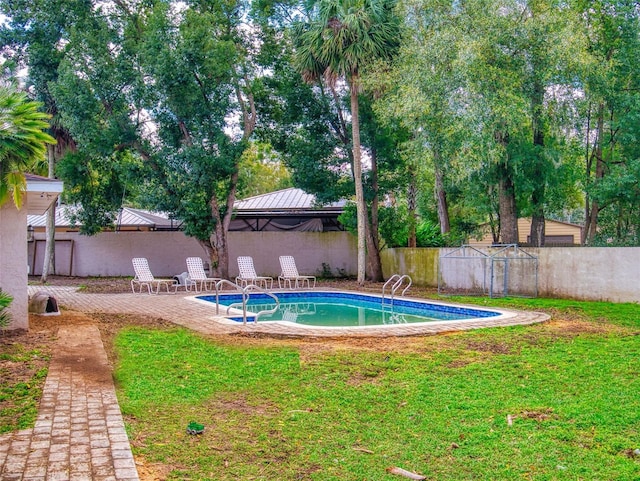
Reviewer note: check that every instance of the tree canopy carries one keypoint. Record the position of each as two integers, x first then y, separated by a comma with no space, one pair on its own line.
437,112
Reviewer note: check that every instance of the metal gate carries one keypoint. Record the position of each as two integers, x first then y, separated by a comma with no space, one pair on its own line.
497,271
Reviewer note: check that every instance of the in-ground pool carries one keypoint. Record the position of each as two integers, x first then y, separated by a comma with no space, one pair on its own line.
344,309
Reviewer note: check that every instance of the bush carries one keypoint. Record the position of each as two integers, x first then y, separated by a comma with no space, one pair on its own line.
5,301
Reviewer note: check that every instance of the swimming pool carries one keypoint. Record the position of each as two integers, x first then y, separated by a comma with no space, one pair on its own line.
346,309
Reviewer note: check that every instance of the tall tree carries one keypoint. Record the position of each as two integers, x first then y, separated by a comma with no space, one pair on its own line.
610,126
342,38
150,92
201,65
426,104
33,39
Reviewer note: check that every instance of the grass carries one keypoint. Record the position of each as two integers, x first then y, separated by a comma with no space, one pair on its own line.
557,401
20,391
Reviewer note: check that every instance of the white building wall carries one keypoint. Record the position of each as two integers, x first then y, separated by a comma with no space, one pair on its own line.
608,274
13,262
110,253
586,273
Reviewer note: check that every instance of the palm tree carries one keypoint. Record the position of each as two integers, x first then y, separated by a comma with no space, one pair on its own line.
345,36
23,142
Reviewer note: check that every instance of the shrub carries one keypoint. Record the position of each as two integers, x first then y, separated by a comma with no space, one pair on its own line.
5,301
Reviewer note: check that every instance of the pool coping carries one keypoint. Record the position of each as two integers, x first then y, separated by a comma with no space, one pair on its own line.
507,317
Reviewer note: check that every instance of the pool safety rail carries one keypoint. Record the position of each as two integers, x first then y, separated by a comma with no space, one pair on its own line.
396,282
246,293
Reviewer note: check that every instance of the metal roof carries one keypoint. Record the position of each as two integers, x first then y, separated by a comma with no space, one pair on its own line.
128,217
282,202
287,199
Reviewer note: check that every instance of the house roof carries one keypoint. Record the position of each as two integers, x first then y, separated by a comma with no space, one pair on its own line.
41,193
127,217
281,203
286,201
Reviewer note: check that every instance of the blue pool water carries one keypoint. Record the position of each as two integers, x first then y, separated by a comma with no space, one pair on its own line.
344,309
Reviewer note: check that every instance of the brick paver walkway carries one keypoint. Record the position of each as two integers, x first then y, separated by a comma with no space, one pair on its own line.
79,434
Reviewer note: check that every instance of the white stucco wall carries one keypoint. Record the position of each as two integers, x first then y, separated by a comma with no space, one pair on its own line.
110,253
609,274
13,262
587,273
600,274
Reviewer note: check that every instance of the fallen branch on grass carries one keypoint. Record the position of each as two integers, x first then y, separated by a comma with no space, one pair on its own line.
405,473
363,450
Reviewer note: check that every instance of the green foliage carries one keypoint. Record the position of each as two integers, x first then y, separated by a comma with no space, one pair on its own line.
619,191
23,141
345,36
97,185
428,235
394,228
612,112
261,171
146,97
301,123
5,301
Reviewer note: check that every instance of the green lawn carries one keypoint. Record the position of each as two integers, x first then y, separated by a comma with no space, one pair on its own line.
21,390
556,401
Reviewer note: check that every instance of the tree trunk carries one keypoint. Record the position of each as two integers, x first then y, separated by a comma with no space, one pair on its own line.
508,216
592,207
506,194
411,207
537,233
441,194
221,253
211,254
49,265
361,207
216,247
373,242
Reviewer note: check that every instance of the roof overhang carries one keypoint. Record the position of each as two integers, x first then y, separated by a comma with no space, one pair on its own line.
41,193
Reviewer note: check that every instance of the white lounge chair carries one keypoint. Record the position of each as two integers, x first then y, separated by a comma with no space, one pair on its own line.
248,274
289,274
144,277
198,276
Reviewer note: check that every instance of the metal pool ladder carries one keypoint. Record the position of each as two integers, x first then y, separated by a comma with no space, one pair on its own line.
397,281
246,292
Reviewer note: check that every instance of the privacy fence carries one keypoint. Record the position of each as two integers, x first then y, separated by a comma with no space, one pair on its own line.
110,253
589,273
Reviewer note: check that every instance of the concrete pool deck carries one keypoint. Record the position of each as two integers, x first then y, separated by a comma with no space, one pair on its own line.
181,309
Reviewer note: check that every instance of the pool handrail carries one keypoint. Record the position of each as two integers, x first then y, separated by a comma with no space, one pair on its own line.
398,284
217,286
263,312
399,279
245,298
391,279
